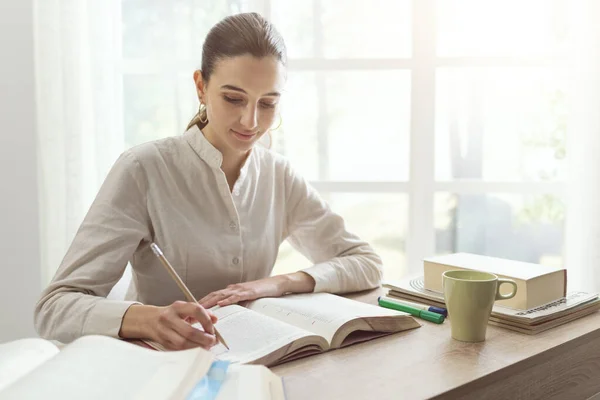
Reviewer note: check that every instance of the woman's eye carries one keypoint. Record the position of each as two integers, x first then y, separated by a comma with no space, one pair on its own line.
268,105
237,101
232,100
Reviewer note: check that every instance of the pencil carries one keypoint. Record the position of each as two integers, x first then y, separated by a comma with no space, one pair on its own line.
189,296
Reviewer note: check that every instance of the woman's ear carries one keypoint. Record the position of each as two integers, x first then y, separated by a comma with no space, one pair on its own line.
199,83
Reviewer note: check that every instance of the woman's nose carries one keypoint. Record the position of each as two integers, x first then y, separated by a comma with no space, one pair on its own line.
249,117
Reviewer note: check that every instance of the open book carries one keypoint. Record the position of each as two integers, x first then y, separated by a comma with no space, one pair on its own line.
98,367
271,331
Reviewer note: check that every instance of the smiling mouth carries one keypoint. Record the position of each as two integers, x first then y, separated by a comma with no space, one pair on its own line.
243,136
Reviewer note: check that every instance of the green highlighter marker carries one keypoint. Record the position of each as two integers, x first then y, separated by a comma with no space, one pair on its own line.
423,314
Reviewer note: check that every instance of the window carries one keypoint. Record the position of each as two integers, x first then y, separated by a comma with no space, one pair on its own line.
431,126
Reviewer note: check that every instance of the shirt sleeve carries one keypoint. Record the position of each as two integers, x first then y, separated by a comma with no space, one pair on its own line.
75,304
342,261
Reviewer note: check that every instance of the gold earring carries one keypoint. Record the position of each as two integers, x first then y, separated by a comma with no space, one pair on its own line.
278,125
202,110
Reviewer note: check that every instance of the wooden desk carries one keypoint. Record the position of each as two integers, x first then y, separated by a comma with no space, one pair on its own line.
562,363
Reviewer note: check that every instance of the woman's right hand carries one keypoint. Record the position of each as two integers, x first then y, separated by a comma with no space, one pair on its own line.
171,326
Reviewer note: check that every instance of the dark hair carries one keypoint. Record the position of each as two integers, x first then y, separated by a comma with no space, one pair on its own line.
237,35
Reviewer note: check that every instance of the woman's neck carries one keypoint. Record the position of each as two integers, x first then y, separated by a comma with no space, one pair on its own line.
231,167
232,161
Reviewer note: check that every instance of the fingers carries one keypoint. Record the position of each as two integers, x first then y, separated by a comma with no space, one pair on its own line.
233,294
212,316
196,312
210,296
234,297
175,330
240,293
221,298
231,299
191,336
172,340
212,299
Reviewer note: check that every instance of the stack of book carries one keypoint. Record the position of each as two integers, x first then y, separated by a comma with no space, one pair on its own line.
562,308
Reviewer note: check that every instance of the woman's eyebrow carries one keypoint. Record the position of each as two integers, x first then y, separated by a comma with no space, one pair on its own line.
237,89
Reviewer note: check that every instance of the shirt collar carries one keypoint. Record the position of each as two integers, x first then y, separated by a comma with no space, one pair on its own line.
205,150
209,153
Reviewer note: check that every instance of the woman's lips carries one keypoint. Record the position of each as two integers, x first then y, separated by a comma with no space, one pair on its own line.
243,136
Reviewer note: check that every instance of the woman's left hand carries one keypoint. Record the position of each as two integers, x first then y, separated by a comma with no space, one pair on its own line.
274,286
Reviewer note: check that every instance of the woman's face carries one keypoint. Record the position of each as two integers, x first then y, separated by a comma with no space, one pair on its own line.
242,100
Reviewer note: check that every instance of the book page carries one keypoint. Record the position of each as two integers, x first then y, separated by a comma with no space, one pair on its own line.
98,367
252,337
251,382
19,357
321,313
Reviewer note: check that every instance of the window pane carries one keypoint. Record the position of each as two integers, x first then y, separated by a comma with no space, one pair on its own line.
187,101
148,107
298,136
506,124
502,28
380,219
513,226
295,26
175,28
346,29
347,125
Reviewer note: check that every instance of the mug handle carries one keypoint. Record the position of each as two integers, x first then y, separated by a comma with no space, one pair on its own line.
505,296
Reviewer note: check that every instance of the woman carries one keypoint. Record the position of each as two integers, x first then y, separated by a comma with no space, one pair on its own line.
217,205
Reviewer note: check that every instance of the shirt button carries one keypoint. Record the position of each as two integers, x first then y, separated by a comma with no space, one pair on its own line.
236,192
235,261
232,225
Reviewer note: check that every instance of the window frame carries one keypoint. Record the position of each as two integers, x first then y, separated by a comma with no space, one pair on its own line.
421,186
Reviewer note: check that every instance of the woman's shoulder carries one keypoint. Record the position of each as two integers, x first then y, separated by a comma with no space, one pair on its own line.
280,167
159,150
271,158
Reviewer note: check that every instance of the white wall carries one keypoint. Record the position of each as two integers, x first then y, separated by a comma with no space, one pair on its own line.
19,235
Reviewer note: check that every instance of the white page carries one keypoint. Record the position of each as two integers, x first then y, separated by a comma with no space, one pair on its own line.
251,382
248,382
250,335
97,367
19,357
322,313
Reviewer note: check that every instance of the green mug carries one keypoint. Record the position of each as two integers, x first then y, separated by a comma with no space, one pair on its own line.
469,297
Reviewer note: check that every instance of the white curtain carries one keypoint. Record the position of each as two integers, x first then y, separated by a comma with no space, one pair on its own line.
79,122
583,189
